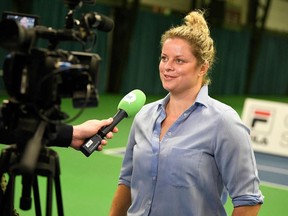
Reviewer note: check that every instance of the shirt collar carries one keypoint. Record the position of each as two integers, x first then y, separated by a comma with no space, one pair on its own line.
202,98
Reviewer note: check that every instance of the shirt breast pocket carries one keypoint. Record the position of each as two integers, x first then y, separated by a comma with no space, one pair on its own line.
183,167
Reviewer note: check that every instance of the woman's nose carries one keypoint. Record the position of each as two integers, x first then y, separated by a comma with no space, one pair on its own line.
168,65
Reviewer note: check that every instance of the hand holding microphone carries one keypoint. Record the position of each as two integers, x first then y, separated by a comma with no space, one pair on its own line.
89,128
127,107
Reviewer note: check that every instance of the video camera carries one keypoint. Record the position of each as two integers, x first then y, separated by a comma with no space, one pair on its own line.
41,76
37,78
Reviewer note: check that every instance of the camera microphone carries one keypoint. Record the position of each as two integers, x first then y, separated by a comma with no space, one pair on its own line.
127,107
98,21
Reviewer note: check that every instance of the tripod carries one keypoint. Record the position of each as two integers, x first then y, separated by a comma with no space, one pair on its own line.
47,165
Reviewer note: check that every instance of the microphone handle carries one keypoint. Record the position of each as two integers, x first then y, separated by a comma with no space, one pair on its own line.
92,144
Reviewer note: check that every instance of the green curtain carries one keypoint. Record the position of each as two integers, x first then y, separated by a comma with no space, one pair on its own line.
142,70
271,74
229,72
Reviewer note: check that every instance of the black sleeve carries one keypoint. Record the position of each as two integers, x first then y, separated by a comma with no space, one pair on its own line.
63,137
58,135
6,137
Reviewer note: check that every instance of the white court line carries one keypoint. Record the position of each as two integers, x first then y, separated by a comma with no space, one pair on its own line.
118,152
274,185
272,169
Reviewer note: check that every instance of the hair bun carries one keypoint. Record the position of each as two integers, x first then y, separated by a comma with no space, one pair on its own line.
196,20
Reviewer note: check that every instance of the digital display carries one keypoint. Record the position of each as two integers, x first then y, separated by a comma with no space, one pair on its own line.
26,20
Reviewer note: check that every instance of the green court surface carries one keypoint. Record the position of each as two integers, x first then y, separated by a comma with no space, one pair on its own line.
88,184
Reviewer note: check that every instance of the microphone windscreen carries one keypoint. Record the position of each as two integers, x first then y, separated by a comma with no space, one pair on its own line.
105,23
132,102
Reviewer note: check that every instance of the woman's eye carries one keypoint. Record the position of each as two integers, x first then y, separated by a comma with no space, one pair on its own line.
163,58
179,61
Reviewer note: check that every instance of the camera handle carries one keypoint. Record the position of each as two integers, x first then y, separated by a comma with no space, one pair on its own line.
47,165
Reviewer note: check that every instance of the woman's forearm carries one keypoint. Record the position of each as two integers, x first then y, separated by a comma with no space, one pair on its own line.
121,201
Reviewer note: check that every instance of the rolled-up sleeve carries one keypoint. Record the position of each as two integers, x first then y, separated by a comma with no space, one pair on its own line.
236,161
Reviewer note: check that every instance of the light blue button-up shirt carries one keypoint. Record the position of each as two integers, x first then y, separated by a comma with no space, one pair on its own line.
206,149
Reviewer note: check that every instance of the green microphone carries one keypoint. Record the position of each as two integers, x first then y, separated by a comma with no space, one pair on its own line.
127,107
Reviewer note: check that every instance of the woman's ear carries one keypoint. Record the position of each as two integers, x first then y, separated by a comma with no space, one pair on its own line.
203,69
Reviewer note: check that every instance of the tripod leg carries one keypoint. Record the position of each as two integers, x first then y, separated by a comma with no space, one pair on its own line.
26,200
8,156
2,189
59,196
49,196
58,185
4,164
7,207
36,197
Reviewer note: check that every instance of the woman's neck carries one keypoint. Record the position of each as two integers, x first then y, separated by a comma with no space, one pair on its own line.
178,103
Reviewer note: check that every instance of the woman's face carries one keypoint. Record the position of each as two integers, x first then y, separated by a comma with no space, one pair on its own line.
179,71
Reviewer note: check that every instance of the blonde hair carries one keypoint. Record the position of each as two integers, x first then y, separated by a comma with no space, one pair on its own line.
196,32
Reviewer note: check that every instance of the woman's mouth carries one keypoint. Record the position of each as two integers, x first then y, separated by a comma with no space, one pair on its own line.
168,77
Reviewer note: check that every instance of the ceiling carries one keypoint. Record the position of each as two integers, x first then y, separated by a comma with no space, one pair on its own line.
276,20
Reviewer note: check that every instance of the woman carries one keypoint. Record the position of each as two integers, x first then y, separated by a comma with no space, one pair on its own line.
185,149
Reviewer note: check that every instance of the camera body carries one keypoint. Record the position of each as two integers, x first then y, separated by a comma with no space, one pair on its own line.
42,76
37,78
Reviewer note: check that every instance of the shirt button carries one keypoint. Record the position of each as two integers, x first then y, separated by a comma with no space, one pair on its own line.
154,178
